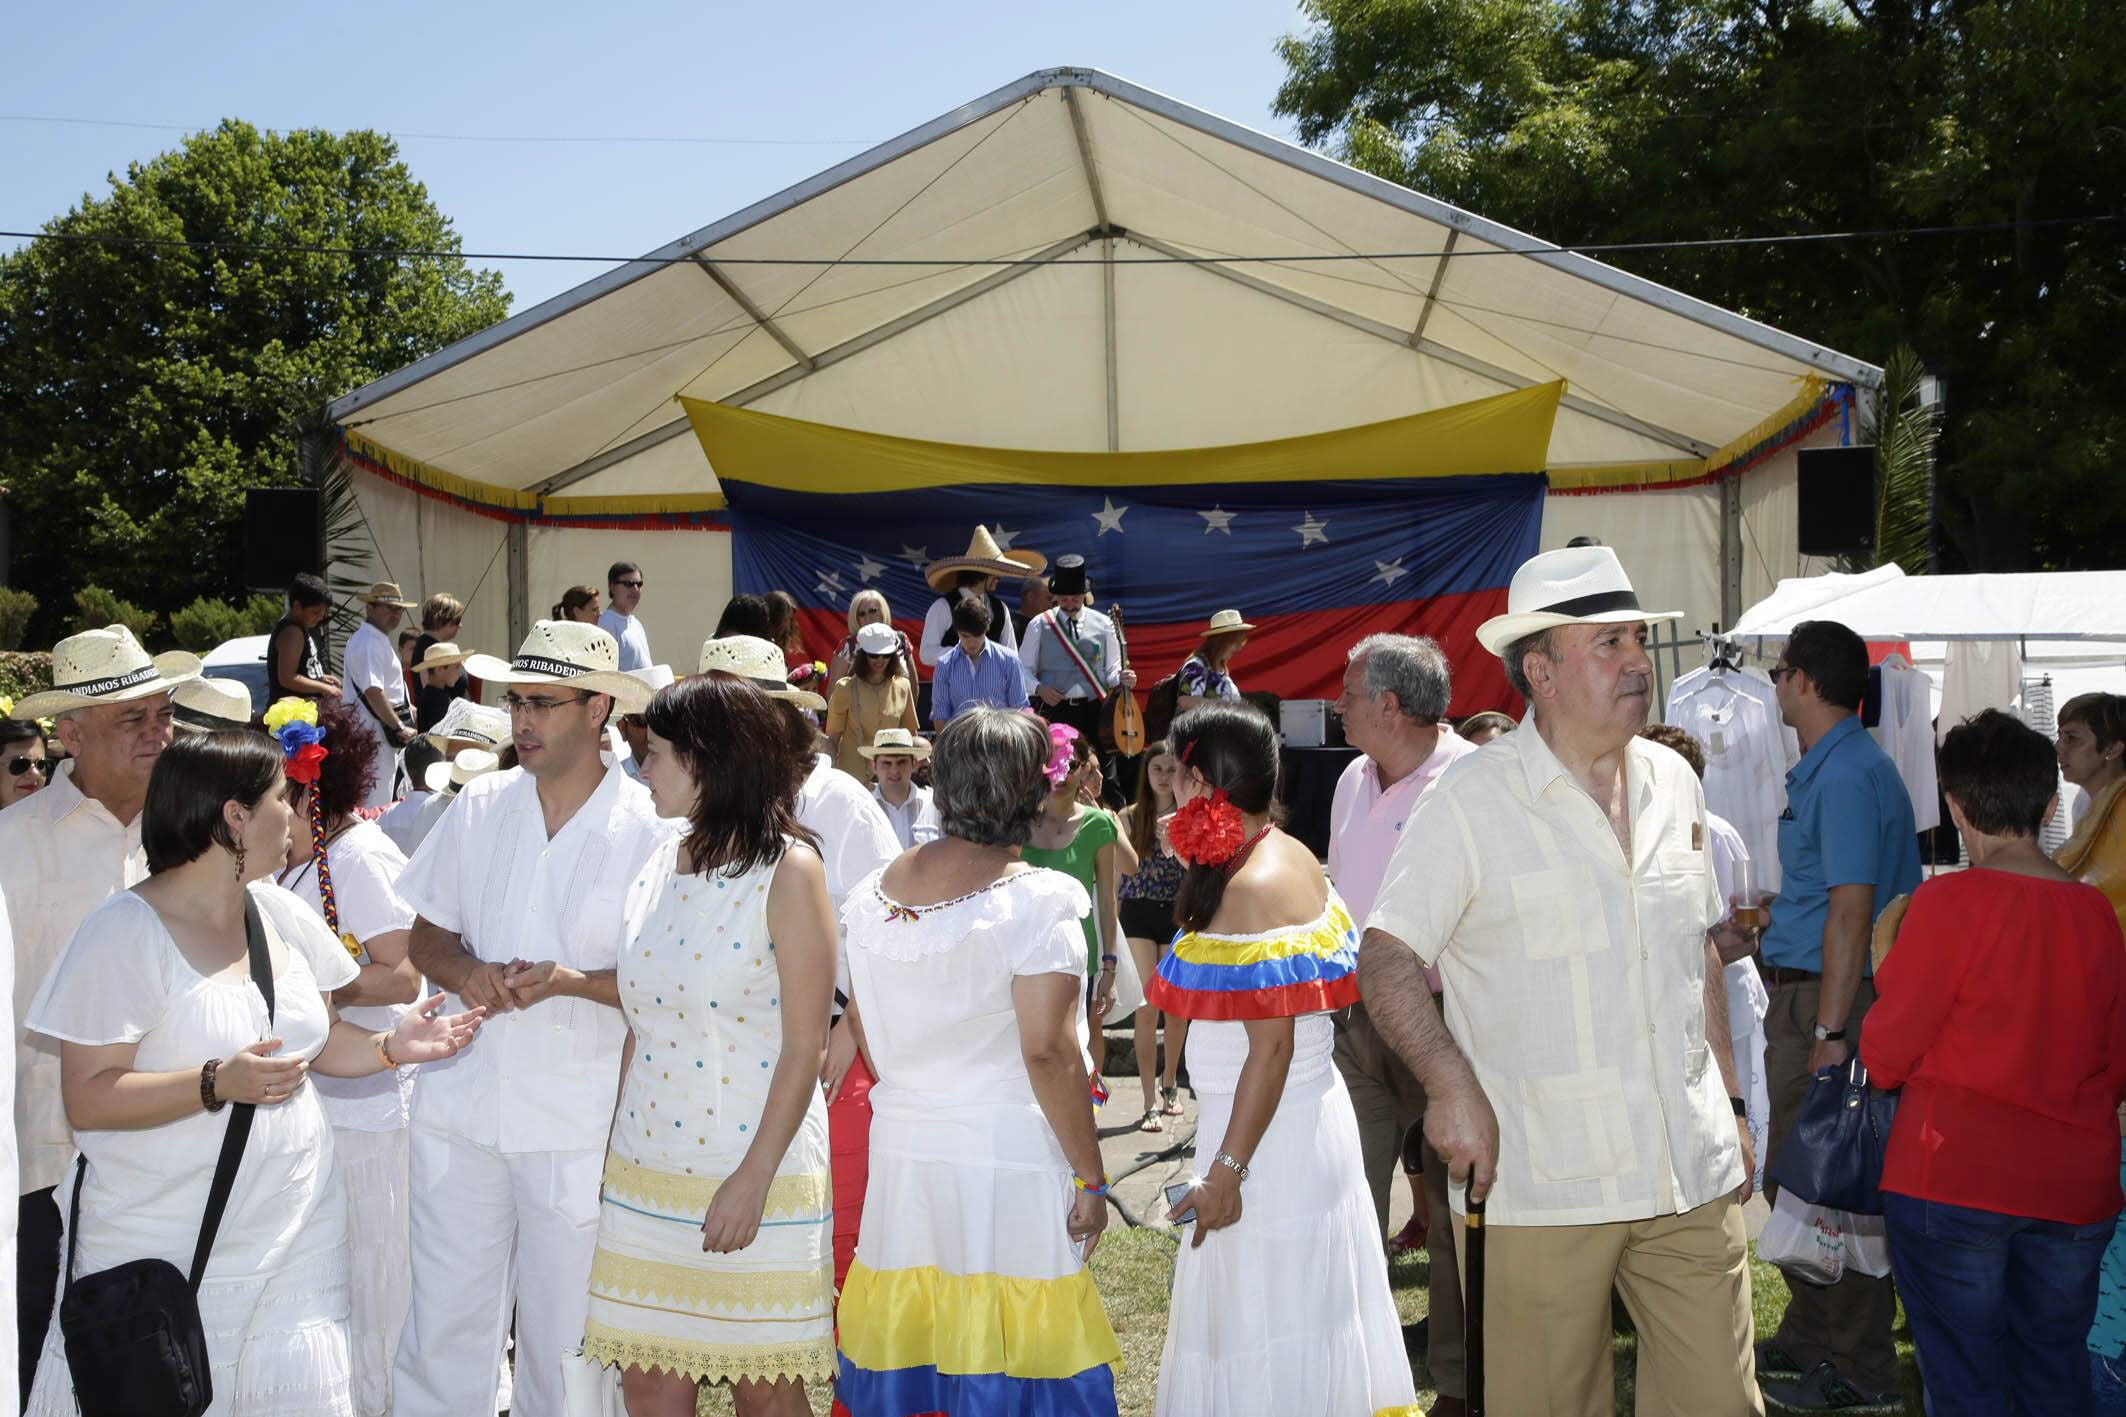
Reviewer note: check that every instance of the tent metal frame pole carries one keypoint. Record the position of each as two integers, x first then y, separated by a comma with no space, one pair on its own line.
825,359
519,573
1439,275
1730,549
754,313
1114,383
1483,369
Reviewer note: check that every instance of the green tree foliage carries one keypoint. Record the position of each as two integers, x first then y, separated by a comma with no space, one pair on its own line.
16,608
205,623
95,607
143,388
1624,120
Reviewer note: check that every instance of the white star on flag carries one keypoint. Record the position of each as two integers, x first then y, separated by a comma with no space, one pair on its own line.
1217,519
1004,538
870,570
1311,531
1109,517
830,583
1388,572
916,556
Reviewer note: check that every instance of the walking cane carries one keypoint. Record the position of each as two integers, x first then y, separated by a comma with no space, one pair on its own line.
1473,1306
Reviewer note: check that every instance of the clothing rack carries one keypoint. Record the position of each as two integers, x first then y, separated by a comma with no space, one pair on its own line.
1706,646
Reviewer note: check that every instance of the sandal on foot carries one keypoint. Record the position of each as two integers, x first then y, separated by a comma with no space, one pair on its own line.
1170,1101
1150,1121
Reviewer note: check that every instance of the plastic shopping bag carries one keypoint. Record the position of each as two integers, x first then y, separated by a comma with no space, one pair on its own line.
1129,988
1817,1246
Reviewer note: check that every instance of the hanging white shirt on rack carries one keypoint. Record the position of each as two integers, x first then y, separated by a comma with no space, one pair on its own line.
1905,729
1735,718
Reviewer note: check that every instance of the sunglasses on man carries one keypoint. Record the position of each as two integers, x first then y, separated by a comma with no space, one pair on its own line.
18,766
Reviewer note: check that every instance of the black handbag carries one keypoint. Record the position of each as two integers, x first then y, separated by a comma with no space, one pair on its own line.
1833,1156
134,1341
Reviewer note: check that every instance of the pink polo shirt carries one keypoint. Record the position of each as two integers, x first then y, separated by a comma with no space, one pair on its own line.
1366,822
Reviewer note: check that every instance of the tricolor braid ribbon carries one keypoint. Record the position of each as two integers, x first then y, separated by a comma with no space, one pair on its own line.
325,897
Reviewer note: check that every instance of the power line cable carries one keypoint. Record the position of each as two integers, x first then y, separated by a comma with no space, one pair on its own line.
468,137
1590,248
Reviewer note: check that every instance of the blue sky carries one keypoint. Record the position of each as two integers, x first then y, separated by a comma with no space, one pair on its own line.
833,72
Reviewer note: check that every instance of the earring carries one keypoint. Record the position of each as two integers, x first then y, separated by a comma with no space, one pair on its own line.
239,863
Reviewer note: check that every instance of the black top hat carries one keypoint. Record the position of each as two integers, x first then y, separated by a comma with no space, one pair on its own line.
1068,577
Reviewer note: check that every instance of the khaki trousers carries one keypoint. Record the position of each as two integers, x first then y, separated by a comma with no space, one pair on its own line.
1848,1322
1685,1279
1389,1101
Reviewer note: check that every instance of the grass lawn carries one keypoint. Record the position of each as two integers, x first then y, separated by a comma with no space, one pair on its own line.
1134,1270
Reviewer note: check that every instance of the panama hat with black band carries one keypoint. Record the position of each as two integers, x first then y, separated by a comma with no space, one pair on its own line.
467,723
1579,585
565,654
213,705
760,664
106,666
889,742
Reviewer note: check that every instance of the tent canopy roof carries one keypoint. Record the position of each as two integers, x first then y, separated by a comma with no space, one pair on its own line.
1886,604
1083,332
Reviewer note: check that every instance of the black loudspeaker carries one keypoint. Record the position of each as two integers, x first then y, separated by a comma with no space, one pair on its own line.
284,535
1837,500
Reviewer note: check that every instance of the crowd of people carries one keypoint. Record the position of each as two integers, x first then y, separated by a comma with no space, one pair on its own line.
598,1033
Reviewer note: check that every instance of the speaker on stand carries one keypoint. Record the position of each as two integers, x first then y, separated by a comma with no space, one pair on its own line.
284,536
1836,494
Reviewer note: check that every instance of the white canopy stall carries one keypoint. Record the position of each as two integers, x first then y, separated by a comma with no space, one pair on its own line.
1076,263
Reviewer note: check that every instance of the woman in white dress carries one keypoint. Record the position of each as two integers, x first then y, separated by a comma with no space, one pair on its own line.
160,1025
347,870
969,1292
1281,1301
715,1260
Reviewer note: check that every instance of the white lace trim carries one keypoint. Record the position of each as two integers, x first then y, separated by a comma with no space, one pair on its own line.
1029,902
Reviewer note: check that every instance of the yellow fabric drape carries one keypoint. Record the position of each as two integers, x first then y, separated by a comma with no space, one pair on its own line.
1508,433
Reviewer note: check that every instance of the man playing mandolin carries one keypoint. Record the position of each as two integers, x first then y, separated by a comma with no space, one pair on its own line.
1072,655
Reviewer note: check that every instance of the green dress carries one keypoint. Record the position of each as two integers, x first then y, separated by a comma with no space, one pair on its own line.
1080,861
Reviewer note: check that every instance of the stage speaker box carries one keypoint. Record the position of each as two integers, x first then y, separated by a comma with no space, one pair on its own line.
284,535
1836,488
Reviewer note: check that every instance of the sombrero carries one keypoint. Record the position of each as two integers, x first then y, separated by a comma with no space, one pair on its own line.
984,555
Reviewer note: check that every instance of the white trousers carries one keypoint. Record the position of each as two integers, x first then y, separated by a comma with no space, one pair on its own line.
373,1171
492,1231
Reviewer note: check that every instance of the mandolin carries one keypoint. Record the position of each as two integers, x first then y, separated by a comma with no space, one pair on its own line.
1124,719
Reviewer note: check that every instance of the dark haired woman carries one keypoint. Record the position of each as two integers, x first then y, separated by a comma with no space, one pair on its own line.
1145,900
159,1026
578,603
1280,1304
23,754
346,869
2003,1016
969,1293
1085,843
714,1260
870,697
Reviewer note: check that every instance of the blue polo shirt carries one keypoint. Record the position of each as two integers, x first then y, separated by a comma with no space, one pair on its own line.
993,680
1848,821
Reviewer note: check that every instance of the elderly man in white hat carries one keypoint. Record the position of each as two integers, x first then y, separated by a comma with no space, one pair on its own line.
894,754
855,839
374,684
1581,1082
63,851
519,894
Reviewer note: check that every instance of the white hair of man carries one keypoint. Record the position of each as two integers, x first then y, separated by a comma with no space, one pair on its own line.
1411,667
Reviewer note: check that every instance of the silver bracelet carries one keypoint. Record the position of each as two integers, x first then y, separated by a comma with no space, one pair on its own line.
1240,1172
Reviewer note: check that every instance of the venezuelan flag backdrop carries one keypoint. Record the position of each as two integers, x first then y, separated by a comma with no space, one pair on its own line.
1414,525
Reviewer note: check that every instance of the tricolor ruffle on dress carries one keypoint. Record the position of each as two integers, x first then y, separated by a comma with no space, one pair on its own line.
1278,974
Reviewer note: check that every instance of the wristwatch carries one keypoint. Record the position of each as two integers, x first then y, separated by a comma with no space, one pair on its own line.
1830,1035
1741,1107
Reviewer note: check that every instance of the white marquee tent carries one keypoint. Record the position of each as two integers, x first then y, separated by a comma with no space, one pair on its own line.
1075,310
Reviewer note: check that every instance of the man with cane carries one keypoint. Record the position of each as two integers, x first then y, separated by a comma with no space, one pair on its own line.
1559,880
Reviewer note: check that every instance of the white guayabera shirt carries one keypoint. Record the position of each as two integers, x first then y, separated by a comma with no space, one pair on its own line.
1575,979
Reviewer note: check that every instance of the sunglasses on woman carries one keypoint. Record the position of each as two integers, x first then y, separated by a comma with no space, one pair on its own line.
18,766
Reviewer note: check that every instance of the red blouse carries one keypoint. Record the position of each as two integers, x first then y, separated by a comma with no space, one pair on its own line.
2002,1012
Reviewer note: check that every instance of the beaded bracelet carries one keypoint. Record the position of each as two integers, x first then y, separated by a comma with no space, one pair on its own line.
1091,1188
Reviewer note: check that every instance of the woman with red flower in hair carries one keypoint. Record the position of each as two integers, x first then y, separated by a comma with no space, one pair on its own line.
1281,1301
346,869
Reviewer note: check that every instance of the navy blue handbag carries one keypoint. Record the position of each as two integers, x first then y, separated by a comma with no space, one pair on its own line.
1833,1156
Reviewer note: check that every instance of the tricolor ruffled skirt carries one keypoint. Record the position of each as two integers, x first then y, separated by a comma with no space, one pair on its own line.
967,1297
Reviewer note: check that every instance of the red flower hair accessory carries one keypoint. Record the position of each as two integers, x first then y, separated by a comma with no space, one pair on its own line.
1062,740
1207,831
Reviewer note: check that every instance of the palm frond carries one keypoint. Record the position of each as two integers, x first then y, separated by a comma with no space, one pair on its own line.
1904,432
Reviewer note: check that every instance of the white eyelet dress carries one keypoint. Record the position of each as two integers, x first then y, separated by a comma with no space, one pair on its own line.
699,989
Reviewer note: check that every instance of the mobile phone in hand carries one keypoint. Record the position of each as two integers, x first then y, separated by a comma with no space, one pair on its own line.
1177,1193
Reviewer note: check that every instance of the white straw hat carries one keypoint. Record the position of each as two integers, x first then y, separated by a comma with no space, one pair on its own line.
472,763
441,655
984,555
213,704
569,654
467,722
658,676
1579,585
387,593
758,663
1226,622
890,741
106,666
